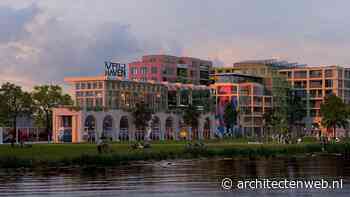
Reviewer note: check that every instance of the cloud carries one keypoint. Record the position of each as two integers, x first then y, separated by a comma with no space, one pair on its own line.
12,21
45,49
47,40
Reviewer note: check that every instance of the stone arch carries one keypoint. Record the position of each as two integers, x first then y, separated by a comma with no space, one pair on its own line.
107,127
124,128
90,133
169,128
155,128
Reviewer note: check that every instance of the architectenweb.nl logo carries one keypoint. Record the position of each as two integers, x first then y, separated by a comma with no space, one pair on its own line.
256,184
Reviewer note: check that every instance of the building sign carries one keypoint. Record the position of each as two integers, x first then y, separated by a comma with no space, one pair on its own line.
116,70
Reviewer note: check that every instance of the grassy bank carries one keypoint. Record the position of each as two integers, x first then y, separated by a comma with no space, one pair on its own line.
55,155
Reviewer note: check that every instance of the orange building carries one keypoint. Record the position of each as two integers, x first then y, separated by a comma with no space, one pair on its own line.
314,83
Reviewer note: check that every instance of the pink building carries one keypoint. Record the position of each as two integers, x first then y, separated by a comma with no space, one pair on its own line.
171,69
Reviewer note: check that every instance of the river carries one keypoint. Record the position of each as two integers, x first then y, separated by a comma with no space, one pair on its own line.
200,177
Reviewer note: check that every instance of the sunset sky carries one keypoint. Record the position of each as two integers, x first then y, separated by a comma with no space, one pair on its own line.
43,41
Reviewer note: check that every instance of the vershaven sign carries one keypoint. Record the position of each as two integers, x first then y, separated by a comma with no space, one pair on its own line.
116,70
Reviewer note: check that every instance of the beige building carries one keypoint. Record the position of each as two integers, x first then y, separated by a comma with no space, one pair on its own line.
314,83
103,109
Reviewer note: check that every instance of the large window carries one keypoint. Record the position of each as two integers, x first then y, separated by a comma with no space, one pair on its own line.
300,74
316,84
143,70
154,70
134,70
77,86
300,84
329,73
329,83
315,73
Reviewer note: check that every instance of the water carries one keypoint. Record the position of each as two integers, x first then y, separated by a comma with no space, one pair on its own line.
177,178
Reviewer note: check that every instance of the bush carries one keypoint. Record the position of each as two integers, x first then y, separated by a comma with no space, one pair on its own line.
196,148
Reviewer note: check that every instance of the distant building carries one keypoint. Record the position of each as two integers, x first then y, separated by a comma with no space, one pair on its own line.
105,110
166,68
311,83
314,83
247,95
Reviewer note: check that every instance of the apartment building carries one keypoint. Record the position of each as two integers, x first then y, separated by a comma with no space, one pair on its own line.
104,109
314,83
248,98
166,68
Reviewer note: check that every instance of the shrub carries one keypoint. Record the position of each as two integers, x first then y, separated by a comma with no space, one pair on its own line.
196,148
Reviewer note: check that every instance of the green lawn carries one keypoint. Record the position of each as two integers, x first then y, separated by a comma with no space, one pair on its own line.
87,154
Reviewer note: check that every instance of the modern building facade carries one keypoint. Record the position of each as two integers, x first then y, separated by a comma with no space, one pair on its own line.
266,69
248,98
311,83
314,83
166,68
104,106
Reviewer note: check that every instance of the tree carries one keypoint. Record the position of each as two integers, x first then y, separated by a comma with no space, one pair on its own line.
280,91
14,102
45,98
142,116
296,109
191,116
334,113
230,116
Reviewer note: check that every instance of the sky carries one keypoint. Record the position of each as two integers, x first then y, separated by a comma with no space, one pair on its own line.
43,41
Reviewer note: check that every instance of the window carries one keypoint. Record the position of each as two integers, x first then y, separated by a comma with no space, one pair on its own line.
100,85
234,89
300,74
133,70
89,102
316,84
329,92
299,84
143,70
329,83
329,73
78,94
300,93
315,73
77,86
347,74
94,85
82,85
88,85
154,70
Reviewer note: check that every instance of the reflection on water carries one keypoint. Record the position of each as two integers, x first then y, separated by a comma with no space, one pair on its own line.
176,178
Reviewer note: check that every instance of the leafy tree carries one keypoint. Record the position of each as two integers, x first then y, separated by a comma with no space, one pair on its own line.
296,109
142,115
14,102
280,91
334,113
230,116
191,116
45,98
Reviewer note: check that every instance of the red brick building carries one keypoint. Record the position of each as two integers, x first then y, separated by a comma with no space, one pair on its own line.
171,69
